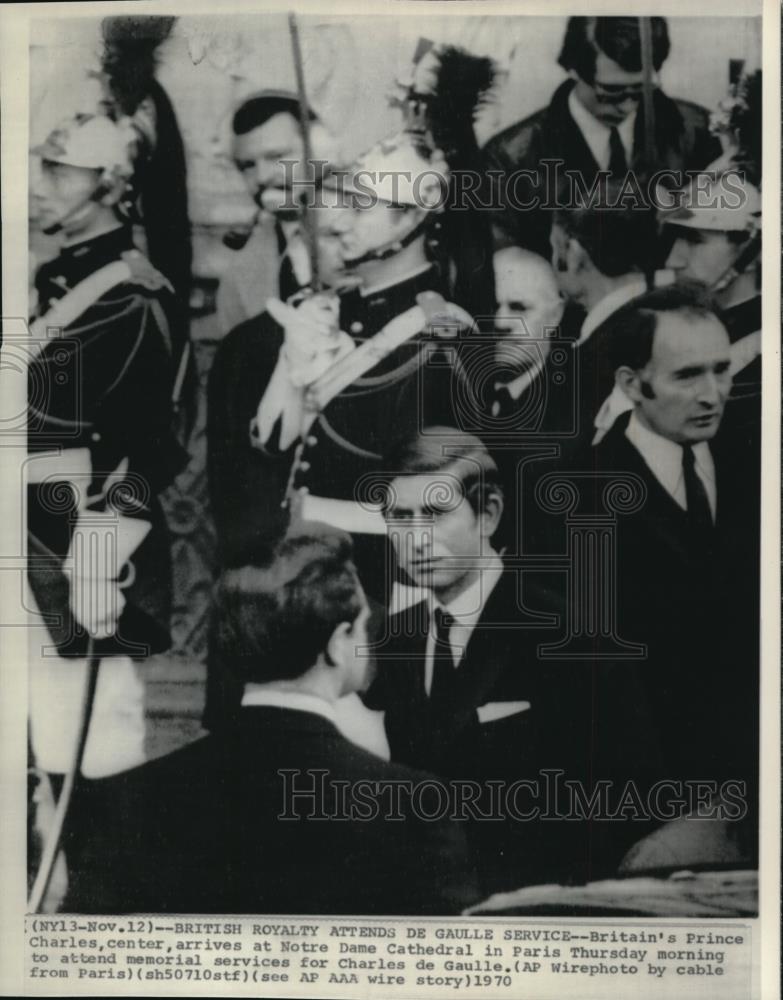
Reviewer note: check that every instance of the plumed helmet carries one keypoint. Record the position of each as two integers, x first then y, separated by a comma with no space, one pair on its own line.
397,170
93,141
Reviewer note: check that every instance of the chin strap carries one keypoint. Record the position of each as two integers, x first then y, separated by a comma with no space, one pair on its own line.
392,248
746,256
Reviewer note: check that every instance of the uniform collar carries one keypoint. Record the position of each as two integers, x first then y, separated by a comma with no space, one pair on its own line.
76,262
364,315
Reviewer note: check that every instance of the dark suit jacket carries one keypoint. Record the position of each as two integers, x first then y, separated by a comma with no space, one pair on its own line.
571,727
200,831
696,609
683,142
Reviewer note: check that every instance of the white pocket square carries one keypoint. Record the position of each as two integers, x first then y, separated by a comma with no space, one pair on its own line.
495,710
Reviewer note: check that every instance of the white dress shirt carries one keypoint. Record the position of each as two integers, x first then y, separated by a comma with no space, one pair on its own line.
596,134
664,458
466,610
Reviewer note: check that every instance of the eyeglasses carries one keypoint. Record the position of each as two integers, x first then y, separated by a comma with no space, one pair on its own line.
610,93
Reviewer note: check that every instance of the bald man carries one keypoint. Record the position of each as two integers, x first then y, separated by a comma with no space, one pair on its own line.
527,327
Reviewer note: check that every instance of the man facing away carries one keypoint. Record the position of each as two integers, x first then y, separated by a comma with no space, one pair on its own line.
282,814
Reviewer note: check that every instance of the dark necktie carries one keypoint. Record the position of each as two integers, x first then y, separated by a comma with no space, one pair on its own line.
443,672
699,511
618,164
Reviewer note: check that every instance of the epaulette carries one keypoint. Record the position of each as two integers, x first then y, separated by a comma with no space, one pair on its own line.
143,273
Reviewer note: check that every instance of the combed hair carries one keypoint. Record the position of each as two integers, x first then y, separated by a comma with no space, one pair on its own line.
633,327
617,37
257,110
271,622
618,239
448,450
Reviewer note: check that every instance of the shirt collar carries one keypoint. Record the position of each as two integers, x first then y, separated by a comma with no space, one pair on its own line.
609,304
664,457
299,701
596,134
466,607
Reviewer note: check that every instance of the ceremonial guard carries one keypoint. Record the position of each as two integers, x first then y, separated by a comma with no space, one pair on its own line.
101,447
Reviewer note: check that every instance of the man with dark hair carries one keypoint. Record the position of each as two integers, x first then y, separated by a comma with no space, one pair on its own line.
687,557
458,678
604,256
281,814
594,123
269,153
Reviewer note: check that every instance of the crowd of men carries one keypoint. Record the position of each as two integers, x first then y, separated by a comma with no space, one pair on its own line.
492,466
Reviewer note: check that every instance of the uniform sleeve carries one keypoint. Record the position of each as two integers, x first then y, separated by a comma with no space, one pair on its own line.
246,485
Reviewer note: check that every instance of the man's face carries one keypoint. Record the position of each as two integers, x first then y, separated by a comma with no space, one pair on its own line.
700,255
613,94
260,157
61,195
363,230
438,537
528,300
683,389
330,251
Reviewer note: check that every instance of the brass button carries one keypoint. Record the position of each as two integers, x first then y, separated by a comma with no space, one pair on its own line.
356,326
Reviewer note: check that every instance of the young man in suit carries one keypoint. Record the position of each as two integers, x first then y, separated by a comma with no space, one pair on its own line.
282,814
462,691
594,123
688,557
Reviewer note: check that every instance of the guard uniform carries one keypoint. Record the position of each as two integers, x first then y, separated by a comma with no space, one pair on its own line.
104,384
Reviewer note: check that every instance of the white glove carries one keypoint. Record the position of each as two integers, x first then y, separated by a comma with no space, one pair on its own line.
313,339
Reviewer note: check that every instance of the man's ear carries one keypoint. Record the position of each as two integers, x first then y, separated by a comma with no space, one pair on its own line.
336,646
491,515
629,380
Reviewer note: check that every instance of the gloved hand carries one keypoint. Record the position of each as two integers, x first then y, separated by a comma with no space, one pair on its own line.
313,339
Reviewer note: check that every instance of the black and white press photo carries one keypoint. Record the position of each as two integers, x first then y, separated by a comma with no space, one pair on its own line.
389,480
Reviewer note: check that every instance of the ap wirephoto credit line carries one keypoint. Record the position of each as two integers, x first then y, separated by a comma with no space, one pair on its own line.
390,461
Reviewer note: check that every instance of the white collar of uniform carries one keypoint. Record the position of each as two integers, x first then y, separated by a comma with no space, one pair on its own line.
299,701
664,457
610,304
466,607
596,134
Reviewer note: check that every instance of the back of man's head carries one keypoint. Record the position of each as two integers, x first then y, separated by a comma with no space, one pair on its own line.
618,238
617,37
272,621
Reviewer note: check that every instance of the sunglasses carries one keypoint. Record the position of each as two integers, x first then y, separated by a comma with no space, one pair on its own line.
609,93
